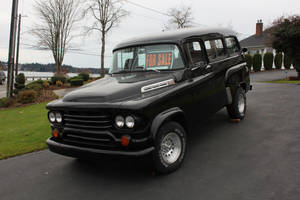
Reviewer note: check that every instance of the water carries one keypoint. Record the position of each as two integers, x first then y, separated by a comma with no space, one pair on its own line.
47,74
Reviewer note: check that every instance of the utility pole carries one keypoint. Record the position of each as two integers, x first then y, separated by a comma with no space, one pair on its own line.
18,46
12,45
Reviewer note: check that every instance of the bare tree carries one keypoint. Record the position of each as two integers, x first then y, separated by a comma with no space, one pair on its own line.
57,20
107,14
180,17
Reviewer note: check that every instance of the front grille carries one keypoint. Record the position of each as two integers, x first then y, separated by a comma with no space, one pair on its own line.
89,129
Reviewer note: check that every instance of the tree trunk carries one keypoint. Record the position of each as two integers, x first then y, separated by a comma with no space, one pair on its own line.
58,68
102,72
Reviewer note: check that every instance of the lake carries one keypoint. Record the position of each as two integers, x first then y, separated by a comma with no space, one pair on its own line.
47,74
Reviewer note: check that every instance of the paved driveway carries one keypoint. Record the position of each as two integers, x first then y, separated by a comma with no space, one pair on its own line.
257,159
3,90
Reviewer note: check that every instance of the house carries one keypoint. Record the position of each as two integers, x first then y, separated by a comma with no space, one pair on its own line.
257,43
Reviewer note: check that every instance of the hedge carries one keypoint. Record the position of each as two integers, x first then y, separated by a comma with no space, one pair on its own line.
20,78
76,82
26,96
84,75
268,60
56,78
257,62
287,61
249,61
278,60
6,102
20,83
35,85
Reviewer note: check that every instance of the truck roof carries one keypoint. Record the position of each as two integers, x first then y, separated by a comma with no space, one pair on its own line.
172,36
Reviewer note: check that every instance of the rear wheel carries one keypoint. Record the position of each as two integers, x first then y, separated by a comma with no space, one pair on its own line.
170,147
237,109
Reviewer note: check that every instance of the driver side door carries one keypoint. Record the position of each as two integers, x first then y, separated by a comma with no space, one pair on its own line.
202,80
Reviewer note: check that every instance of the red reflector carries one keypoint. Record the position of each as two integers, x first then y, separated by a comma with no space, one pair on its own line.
125,140
55,133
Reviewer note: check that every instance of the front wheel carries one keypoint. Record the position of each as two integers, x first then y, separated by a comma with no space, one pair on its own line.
170,147
237,109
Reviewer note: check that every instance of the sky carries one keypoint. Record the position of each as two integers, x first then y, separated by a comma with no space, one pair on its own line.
241,16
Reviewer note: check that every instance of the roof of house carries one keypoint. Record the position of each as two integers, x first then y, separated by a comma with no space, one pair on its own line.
254,41
173,36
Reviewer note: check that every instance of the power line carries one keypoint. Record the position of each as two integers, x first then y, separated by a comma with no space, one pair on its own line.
159,12
166,14
147,8
70,51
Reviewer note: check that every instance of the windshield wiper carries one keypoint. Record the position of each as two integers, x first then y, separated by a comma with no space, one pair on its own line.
121,71
156,70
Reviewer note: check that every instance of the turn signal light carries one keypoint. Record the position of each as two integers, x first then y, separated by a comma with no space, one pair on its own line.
125,140
55,133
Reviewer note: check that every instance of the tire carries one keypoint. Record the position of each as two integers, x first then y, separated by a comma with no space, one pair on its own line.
237,109
169,158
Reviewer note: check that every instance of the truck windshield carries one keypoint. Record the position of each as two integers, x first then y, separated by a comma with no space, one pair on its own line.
147,58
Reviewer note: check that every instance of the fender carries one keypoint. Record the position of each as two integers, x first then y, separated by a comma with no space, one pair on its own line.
234,69
162,117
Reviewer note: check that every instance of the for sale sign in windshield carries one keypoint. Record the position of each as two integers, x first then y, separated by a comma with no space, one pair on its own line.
159,59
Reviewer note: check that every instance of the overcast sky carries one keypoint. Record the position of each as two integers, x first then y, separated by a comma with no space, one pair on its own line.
239,15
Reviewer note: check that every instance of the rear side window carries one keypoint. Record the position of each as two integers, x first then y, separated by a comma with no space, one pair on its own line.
215,49
195,51
232,46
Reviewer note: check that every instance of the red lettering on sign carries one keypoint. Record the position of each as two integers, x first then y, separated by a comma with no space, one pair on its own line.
159,59
170,58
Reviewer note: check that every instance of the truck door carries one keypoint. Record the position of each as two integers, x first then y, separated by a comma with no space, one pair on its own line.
201,85
218,62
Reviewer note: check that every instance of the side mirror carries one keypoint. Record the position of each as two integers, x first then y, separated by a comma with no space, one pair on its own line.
244,50
198,65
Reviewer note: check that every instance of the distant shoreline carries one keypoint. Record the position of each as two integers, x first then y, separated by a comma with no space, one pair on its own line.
47,74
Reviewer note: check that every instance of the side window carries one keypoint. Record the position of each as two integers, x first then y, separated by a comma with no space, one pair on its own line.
232,46
195,51
215,49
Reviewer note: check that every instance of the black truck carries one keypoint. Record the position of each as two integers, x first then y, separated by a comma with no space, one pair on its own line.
158,87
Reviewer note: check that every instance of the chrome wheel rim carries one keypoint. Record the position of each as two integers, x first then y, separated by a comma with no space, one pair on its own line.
241,104
171,147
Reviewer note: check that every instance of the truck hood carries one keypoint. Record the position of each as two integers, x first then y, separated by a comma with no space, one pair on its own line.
119,87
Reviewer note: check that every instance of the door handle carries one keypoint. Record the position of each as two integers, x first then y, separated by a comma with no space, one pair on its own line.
208,67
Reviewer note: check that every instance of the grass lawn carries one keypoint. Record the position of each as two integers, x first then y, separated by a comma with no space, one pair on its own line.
23,130
283,81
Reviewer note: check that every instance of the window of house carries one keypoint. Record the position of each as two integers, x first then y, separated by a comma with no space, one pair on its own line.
215,49
232,45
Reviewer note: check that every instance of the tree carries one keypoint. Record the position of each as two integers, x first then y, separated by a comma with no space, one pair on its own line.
285,37
257,62
249,61
107,14
180,17
278,60
268,60
57,21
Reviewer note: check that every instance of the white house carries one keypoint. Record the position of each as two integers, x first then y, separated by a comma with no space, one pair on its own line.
256,43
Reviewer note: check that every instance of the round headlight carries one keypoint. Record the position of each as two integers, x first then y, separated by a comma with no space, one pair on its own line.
119,121
51,117
58,117
129,122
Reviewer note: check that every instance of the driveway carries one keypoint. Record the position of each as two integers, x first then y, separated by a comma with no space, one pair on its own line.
3,90
272,75
257,159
